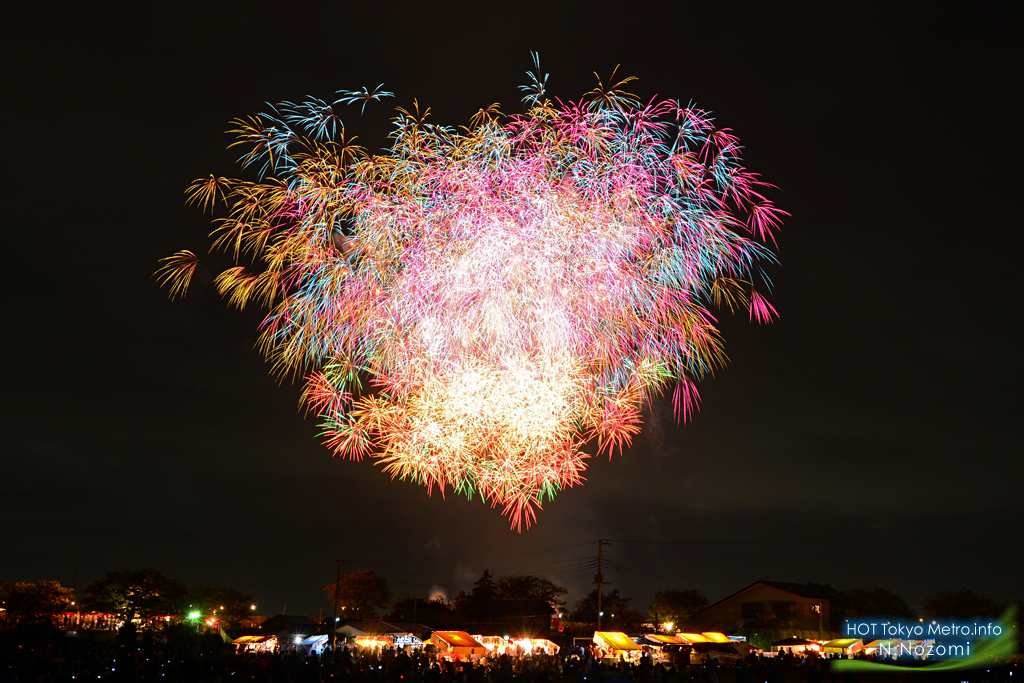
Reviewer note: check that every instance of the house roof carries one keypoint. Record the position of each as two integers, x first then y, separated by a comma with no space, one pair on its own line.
378,627
794,588
411,628
373,627
288,622
798,589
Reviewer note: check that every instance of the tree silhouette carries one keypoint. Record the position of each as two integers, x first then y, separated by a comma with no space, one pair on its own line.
618,614
230,606
436,613
862,602
133,593
528,587
34,602
962,604
360,594
676,606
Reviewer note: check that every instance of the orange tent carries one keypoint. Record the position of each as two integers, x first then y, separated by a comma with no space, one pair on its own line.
665,640
615,640
457,643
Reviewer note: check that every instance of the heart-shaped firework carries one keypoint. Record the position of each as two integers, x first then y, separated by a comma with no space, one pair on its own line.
475,306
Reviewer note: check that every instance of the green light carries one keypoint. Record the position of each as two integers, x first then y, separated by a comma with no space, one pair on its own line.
194,615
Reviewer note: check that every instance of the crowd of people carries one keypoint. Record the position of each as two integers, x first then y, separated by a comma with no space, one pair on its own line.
215,662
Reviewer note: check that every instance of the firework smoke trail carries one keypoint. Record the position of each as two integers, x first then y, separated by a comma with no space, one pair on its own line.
508,292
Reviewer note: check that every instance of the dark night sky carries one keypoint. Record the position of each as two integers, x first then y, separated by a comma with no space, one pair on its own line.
870,437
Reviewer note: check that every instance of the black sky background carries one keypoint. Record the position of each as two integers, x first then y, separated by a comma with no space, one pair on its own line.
869,437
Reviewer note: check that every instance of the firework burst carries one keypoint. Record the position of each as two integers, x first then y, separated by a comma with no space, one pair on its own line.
476,305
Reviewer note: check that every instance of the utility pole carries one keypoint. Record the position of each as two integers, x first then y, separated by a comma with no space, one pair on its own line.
599,577
334,625
78,608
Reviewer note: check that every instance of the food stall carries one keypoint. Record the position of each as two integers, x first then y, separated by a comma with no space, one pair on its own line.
408,641
496,645
887,645
794,644
613,644
456,645
255,644
535,646
842,646
693,638
664,646
312,645
659,640
374,641
918,649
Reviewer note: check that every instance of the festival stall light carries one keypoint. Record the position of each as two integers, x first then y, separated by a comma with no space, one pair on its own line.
374,641
529,645
494,644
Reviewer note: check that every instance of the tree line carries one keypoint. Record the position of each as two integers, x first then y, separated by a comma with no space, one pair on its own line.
362,595
130,595
365,595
